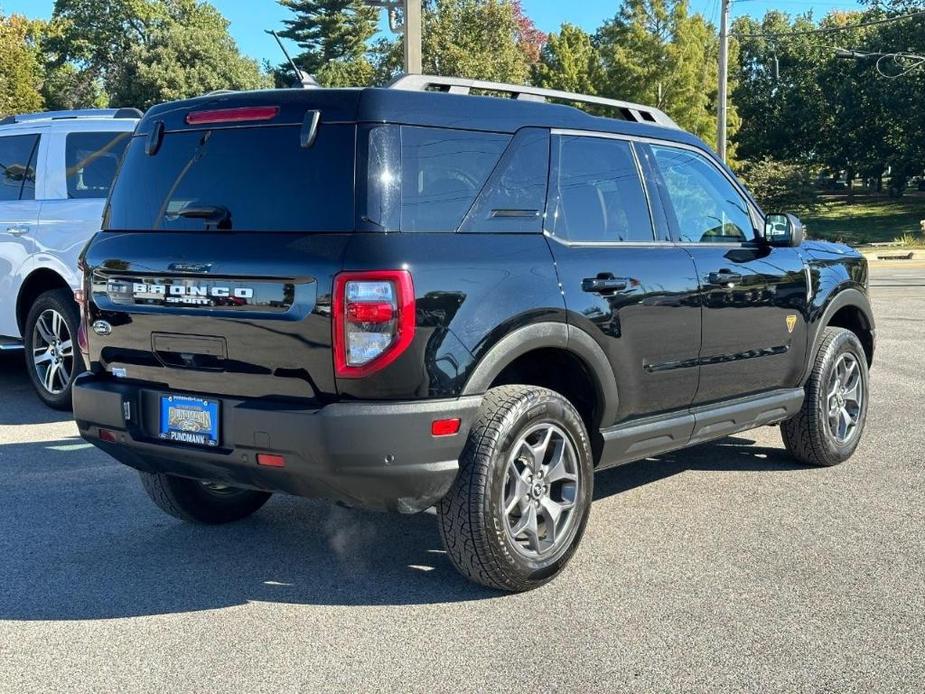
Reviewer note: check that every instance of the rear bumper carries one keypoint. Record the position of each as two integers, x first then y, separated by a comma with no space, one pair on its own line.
371,455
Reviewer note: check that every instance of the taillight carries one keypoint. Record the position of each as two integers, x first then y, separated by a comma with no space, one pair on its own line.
373,320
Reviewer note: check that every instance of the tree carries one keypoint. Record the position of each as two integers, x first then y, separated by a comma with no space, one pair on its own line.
780,185
474,38
66,87
333,36
569,61
656,53
20,67
530,39
188,53
141,52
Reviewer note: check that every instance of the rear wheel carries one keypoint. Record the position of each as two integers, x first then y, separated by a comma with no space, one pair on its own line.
518,508
50,338
195,501
828,428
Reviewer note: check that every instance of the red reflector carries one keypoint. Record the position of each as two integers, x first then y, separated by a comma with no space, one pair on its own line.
271,460
107,435
445,427
370,312
232,115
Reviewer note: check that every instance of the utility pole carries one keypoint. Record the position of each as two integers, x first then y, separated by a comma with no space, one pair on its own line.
414,59
723,80
410,26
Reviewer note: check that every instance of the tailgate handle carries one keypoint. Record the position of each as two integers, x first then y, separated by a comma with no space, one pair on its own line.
189,351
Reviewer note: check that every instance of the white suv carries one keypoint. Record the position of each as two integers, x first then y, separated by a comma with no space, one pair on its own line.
55,173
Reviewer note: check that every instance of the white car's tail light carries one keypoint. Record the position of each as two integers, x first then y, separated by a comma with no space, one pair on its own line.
373,320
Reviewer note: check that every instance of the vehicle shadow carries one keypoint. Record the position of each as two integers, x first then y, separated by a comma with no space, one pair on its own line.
80,540
18,402
731,454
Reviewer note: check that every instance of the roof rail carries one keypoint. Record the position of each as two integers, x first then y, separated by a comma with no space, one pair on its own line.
78,113
461,85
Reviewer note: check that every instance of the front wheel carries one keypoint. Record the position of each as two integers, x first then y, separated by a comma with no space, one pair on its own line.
50,338
518,508
828,427
195,501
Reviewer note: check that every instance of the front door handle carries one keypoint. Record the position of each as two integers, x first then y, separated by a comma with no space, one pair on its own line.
725,277
17,231
604,284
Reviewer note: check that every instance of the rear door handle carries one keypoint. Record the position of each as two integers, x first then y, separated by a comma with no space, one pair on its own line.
17,231
604,285
725,277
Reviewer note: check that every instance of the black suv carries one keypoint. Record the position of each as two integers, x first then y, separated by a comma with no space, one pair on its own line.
414,296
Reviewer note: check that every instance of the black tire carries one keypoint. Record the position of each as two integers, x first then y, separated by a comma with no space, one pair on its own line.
471,519
58,394
808,436
195,502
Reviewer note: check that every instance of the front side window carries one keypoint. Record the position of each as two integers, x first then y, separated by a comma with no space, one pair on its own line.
707,207
91,160
17,167
598,196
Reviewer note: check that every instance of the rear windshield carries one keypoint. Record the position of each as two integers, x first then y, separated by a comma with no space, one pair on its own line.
244,179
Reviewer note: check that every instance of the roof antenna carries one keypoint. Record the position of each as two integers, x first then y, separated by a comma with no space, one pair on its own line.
304,80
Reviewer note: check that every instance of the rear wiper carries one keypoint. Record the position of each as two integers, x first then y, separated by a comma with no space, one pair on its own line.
215,214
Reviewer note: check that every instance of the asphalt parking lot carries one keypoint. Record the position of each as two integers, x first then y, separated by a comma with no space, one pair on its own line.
725,567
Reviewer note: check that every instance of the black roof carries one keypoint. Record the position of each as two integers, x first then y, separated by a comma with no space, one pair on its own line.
425,108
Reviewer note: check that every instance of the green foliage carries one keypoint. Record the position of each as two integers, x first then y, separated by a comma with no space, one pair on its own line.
780,186
474,38
333,36
841,115
569,61
140,52
864,219
187,54
66,87
20,66
655,52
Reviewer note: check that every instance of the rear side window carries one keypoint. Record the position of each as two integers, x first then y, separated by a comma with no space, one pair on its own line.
17,167
425,179
245,179
91,160
598,195
515,195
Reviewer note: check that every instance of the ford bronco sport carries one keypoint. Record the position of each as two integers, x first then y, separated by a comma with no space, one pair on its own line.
415,296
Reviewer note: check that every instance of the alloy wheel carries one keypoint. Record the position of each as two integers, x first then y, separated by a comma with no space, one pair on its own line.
52,351
845,398
540,491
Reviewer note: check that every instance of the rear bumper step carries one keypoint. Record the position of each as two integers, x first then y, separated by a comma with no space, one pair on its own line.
378,455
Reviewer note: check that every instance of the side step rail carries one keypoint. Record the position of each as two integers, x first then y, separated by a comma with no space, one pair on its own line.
10,344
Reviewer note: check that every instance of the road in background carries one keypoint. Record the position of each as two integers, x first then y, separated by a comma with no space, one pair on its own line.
723,566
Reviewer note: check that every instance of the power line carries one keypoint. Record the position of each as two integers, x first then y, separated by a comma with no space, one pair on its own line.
829,30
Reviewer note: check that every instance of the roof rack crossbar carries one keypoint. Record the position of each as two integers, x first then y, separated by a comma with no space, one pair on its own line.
77,113
461,85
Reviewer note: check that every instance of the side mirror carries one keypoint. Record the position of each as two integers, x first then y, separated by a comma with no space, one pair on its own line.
782,229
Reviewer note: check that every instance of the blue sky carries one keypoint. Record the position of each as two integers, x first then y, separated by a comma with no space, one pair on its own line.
250,17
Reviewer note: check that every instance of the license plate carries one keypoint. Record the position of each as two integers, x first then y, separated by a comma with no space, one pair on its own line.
186,419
